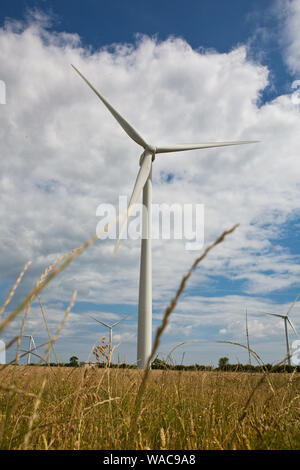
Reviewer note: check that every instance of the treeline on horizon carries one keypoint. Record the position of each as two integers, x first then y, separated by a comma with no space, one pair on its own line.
159,364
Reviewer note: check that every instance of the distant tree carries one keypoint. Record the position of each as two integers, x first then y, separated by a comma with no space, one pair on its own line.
74,361
159,364
223,362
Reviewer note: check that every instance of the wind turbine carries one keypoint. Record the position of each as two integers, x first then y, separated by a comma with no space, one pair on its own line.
31,343
144,182
247,335
2,352
286,321
110,327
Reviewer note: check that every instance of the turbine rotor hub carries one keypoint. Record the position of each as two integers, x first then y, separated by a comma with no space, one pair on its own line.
151,149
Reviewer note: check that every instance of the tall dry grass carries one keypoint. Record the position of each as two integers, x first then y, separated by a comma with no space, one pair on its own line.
92,408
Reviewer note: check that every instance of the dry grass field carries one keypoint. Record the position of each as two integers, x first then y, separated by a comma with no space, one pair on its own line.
92,408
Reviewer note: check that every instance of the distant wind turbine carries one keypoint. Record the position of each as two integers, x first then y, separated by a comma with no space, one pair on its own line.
31,347
144,182
110,327
286,321
2,352
247,335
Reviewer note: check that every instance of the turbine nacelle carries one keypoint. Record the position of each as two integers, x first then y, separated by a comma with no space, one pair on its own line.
145,153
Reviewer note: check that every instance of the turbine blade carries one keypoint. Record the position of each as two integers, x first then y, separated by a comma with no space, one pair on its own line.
292,326
102,322
119,321
123,123
182,147
274,314
292,305
139,184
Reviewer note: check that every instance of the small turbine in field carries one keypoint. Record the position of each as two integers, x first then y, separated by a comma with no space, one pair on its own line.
31,347
2,352
286,321
110,327
247,336
144,182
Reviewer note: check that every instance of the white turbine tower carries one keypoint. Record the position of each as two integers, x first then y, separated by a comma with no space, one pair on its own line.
286,321
144,182
110,327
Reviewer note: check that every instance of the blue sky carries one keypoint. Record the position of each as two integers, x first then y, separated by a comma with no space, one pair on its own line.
216,24
209,24
227,69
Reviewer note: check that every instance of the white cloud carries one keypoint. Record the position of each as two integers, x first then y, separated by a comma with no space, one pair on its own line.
63,154
289,13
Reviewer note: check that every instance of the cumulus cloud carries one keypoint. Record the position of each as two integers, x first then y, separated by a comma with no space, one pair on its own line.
63,154
289,13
